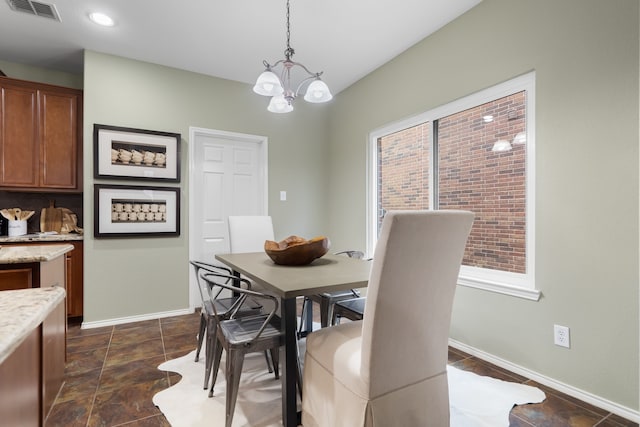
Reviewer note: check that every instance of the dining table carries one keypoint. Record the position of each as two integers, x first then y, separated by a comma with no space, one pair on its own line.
326,274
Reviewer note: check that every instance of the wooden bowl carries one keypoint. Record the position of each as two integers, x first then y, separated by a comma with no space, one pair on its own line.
295,250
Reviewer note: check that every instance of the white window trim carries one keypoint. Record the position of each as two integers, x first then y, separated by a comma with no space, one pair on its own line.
519,285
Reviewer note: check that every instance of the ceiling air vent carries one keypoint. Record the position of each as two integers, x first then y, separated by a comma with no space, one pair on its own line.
35,8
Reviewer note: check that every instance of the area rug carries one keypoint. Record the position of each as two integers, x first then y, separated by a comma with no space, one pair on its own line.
476,401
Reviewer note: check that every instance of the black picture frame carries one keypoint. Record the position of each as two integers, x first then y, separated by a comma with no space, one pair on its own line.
135,154
135,211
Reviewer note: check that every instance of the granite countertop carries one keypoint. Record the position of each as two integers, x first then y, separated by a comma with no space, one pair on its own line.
21,311
32,253
40,237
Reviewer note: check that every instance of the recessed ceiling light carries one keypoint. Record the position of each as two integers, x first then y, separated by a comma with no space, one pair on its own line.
101,19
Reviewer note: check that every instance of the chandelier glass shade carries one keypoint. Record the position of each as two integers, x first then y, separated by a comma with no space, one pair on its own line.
275,81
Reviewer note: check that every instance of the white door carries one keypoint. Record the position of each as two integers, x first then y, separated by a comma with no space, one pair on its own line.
228,177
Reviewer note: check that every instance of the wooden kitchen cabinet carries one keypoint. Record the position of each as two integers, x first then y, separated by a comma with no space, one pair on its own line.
40,137
22,276
32,375
75,279
20,386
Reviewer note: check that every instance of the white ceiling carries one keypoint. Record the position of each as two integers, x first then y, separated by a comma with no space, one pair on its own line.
346,39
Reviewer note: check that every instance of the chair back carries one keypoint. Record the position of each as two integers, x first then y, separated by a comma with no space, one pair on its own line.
248,233
206,295
410,294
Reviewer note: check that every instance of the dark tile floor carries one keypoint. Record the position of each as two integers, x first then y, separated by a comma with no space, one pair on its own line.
111,377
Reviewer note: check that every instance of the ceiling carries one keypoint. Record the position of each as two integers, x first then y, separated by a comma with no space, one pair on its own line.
346,39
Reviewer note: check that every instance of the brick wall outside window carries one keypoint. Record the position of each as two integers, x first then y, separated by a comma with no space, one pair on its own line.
471,177
403,170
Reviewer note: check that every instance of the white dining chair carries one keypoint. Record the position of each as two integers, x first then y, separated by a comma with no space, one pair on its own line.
247,233
390,368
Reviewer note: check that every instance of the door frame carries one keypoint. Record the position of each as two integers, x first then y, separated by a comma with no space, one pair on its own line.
194,132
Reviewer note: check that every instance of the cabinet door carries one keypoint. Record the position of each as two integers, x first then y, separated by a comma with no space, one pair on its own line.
20,387
59,140
75,261
53,356
19,147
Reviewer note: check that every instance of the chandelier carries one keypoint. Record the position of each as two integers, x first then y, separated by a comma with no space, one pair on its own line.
279,87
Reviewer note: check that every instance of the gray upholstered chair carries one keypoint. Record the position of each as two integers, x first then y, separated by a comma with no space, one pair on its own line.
390,369
241,335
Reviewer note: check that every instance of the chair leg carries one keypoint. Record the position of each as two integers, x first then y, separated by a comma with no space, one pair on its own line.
235,359
211,345
217,355
303,315
298,370
201,331
269,365
324,312
335,317
330,308
275,357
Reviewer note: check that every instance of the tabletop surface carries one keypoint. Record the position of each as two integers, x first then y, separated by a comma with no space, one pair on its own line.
326,274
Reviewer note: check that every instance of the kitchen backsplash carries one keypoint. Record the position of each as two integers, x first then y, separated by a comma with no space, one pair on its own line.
37,201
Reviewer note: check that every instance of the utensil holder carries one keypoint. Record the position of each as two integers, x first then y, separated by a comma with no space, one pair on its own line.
17,228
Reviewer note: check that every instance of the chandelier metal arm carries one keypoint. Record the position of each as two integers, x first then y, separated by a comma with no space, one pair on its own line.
288,64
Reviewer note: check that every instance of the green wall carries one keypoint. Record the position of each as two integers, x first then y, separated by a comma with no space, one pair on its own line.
585,54
137,277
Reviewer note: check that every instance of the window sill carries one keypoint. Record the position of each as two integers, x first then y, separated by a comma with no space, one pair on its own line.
500,288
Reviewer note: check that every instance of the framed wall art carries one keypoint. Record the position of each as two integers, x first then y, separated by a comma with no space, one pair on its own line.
127,153
136,211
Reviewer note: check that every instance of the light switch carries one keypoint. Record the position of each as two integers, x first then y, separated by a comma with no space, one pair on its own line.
283,196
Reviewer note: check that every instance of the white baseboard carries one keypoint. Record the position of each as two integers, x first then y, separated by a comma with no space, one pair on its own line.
585,396
129,319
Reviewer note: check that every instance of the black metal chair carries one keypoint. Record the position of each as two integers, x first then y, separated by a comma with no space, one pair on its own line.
352,309
327,300
223,306
239,335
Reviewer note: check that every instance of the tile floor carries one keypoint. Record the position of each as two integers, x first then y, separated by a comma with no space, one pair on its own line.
111,377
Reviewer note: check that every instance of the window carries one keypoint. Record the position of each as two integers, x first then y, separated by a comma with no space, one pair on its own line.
476,154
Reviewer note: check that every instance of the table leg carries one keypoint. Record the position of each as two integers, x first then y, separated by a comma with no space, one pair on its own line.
289,360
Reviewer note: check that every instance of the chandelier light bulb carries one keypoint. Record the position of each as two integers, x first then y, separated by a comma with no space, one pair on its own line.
268,84
279,104
317,92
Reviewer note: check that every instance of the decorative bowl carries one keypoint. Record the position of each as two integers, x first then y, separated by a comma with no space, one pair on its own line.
296,250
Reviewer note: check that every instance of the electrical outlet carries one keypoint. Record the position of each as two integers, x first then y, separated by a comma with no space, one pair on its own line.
561,336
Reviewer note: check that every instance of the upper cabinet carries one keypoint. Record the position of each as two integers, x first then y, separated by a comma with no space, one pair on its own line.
40,137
